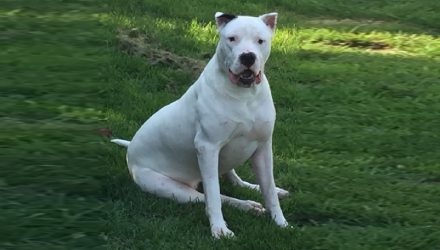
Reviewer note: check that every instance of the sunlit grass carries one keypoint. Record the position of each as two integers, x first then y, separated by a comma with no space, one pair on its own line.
287,39
204,33
68,16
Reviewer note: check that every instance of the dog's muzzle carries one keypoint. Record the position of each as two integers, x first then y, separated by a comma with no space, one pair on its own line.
245,78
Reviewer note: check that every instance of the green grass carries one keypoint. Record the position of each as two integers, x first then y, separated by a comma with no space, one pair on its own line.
52,101
356,139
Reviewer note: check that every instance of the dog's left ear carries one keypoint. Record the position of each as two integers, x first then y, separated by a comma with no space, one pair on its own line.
270,20
221,19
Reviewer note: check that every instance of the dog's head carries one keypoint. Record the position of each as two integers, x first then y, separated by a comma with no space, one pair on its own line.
244,46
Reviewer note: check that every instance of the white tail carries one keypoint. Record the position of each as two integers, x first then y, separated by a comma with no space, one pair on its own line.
120,142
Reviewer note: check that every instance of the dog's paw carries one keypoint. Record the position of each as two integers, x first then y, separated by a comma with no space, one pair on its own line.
282,193
221,232
281,222
254,206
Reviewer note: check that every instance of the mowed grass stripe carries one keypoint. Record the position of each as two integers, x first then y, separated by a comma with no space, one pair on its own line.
53,92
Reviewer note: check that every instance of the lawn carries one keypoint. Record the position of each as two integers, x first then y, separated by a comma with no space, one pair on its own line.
356,85
52,100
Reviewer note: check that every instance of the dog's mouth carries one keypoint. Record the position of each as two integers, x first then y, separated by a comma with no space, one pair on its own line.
245,78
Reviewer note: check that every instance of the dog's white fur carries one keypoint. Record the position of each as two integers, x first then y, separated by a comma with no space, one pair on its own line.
213,128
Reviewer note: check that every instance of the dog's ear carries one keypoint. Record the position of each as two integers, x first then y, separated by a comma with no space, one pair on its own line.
221,19
270,20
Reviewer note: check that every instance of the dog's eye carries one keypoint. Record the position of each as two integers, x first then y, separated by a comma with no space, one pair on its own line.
231,38
260,41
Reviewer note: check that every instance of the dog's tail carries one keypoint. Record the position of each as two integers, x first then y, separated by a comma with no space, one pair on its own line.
120,142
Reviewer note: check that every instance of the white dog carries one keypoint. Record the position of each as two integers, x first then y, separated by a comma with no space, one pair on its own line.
225,118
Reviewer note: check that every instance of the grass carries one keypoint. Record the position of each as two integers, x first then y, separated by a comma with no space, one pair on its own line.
356,139
52,99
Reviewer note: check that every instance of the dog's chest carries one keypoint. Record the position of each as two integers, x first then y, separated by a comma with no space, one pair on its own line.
251,122
249,131
254,128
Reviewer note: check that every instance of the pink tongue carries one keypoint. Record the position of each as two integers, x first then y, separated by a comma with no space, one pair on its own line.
233,78
258,78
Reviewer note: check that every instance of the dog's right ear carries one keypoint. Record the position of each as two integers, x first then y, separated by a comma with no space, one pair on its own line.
221,19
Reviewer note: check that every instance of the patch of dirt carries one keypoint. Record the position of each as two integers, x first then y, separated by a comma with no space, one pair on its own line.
105,132
356,43
136,43
346,21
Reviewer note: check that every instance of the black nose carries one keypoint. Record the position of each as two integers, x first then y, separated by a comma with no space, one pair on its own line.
247,59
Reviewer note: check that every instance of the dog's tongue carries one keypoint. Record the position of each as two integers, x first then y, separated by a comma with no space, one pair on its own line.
233,78
258,78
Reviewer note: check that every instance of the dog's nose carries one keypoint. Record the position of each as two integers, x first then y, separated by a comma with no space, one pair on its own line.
248,59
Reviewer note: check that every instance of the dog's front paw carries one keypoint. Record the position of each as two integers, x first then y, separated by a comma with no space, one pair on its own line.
221,232
283,224
282,193
280,220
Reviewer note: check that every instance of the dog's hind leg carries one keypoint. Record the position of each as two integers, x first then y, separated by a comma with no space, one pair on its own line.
163,186
233,178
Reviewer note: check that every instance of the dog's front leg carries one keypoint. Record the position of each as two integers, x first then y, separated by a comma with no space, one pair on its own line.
262,164
208,156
